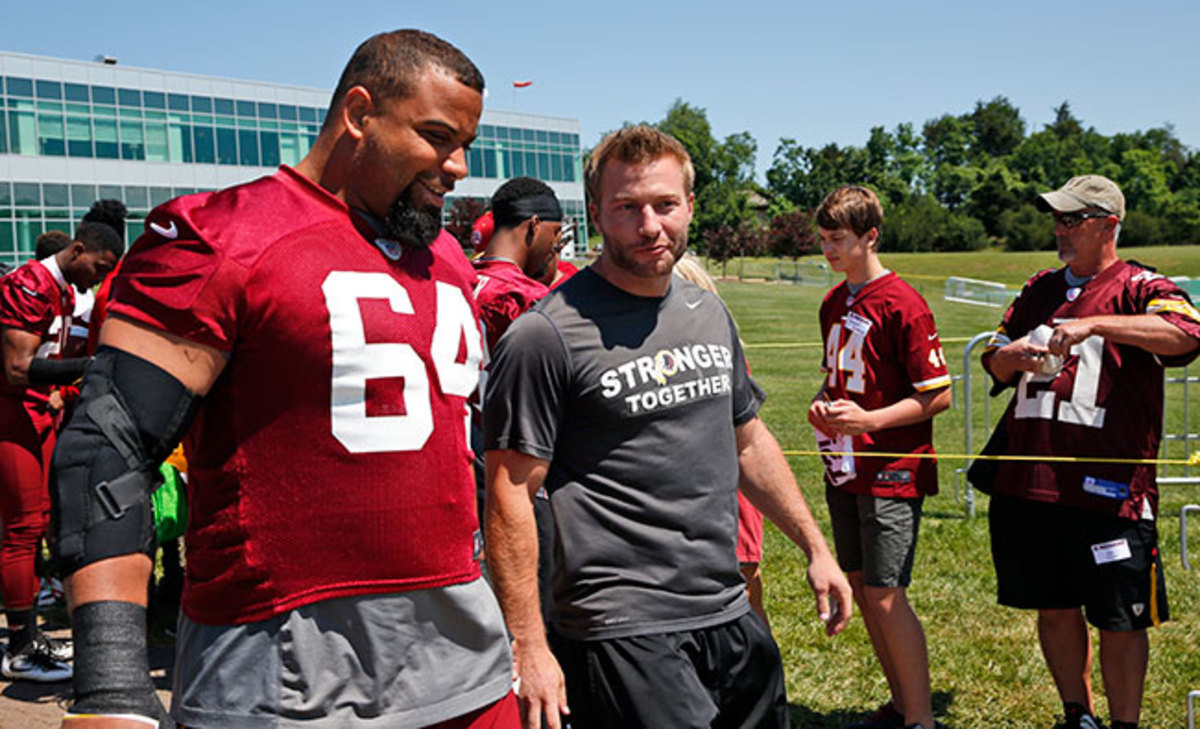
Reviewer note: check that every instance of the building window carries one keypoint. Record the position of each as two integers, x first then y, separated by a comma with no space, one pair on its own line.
19,87
133,140
205,139
226,146
76,92
79,136
248,147
105,131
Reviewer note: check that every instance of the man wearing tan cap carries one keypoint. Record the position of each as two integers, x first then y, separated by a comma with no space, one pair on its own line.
1085,346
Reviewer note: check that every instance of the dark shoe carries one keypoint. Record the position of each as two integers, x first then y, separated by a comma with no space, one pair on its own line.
885,717
1077,717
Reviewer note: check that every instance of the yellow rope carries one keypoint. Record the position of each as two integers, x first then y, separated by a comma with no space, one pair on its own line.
1193,460
806,345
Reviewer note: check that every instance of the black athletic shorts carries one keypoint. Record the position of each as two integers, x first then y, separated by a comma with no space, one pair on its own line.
727,676
1052,557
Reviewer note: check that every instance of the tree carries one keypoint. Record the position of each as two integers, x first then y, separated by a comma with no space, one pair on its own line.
723,169
1026,229
997,128
791,235
1065,125
461,216
804,176
997,191
921,224
947,139
725,242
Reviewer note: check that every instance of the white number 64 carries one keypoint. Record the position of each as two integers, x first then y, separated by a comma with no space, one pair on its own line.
355,361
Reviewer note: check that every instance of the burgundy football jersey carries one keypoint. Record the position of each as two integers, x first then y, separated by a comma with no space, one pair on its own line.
503,293
881,346
1105,402
330,457
36,298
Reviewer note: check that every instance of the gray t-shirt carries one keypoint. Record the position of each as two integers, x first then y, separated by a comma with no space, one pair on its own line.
634,401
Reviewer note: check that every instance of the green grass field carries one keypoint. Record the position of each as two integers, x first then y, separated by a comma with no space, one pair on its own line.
985,663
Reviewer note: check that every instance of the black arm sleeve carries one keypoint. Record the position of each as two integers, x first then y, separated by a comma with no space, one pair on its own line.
44,371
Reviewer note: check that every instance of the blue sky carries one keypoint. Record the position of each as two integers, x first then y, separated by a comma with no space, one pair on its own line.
817,73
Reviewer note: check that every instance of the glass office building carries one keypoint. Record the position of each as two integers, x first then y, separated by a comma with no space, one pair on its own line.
72,132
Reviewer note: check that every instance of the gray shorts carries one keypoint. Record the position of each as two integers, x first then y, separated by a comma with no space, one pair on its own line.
401,659
875,535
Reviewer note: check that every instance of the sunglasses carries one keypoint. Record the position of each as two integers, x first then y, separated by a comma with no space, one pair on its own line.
1074,220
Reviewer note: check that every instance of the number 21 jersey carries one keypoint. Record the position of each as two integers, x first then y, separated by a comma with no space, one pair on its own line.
330,458
1105,402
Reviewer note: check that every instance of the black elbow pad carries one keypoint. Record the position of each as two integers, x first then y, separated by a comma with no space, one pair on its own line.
130,415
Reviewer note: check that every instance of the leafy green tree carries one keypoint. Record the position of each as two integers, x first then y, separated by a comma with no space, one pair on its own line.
947,139
997,129
1025,228
1141,229
1143,179
1065,125
998,190
724,169
805,175
920,223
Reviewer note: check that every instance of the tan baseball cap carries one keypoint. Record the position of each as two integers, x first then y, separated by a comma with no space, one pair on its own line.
1085,191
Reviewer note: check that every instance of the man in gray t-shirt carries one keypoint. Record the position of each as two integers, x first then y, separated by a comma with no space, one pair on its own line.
625,393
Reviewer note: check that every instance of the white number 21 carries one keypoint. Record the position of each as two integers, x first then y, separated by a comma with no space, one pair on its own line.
355,361
1081,409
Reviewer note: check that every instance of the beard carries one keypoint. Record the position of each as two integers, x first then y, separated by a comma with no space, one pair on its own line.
411,226
624,259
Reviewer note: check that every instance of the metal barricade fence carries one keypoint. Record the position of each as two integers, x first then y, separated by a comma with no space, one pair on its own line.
970,364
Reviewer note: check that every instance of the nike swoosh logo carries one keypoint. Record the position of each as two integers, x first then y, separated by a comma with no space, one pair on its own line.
691,304
933,336
169,232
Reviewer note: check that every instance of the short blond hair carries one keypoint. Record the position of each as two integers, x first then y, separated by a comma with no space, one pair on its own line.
850,206
638,144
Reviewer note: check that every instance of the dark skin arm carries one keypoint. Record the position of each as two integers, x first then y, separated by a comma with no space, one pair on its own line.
19,347
125,578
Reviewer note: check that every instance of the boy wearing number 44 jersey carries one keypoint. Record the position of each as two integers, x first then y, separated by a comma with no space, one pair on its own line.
885,379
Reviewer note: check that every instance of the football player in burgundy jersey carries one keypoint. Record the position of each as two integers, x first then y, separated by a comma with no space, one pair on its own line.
885,380
1085,346
315,336
36,302
527,222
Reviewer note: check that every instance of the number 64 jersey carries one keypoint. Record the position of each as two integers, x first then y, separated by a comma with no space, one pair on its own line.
330,458
1105,402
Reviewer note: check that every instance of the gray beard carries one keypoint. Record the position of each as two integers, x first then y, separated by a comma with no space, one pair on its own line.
412,227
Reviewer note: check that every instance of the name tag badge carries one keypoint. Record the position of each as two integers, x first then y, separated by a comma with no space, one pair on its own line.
894,478
1114,551
1107,489
857,323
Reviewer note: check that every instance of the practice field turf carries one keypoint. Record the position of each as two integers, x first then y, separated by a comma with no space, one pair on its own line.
985,663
